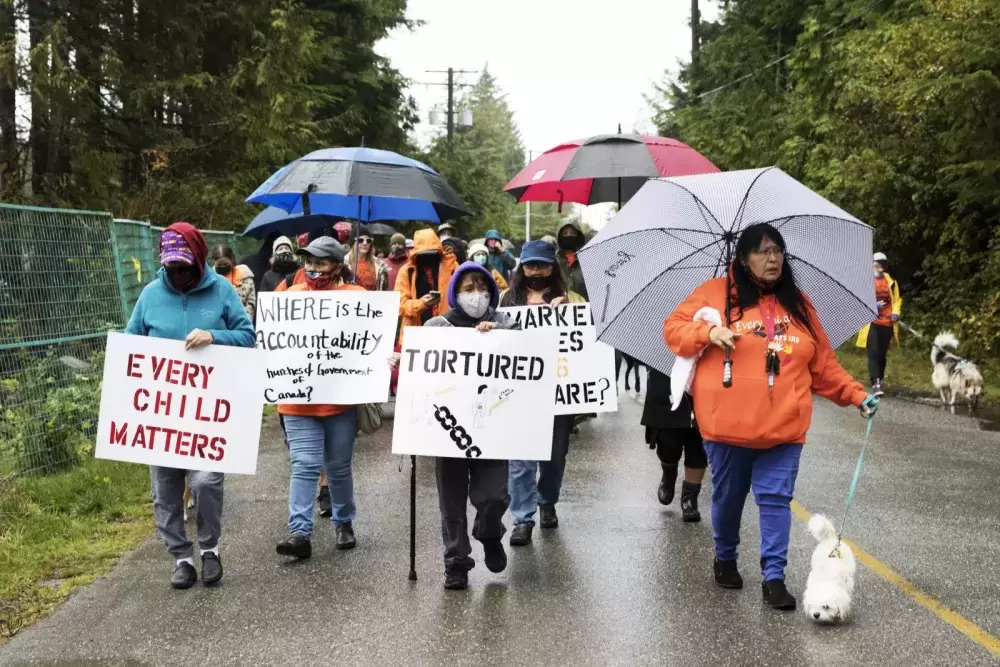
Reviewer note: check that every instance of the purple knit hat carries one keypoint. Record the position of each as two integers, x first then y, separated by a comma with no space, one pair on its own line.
173,248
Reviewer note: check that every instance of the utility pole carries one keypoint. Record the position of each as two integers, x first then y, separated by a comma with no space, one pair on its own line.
695,29
451,72
527,209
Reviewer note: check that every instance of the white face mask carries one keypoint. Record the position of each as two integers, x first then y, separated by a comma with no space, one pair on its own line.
474,304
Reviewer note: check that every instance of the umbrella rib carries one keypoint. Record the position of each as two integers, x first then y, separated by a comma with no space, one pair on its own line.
657,277
702,207
833,280
653,229
746,196
789,218
687,243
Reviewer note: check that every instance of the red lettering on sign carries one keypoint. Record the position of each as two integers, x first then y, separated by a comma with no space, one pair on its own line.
216,445
135,399
119,436
133,365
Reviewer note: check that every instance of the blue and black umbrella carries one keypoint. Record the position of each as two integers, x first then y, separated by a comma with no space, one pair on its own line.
364,184
275,220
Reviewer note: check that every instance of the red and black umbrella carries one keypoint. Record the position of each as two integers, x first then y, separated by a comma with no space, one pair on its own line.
605,168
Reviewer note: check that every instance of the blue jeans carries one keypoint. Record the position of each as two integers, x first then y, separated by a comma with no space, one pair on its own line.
771,474
315,443
534,483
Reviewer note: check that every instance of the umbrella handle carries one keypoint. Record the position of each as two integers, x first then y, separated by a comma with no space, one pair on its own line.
727,371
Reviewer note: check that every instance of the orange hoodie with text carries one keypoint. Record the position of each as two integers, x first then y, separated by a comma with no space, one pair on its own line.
309,409
410,306
747,414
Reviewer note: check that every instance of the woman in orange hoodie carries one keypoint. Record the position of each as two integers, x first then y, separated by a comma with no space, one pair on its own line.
754,430
320,436
423,280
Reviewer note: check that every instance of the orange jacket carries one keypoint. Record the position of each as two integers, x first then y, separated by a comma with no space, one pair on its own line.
308,409
298,279
745,414
410,306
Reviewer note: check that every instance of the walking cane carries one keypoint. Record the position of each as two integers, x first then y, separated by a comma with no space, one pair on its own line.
413,518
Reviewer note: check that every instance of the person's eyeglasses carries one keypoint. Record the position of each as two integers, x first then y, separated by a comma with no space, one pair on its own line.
536,266
364,239
773,251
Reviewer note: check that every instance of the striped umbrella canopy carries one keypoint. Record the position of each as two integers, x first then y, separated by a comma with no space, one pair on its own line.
677,233
605,168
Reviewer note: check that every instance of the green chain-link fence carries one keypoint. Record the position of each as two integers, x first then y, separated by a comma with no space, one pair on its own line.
66,278
58,298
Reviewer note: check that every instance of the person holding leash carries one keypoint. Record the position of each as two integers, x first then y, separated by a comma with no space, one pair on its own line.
884,330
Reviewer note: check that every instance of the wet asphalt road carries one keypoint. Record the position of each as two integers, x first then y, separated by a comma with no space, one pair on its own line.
621,582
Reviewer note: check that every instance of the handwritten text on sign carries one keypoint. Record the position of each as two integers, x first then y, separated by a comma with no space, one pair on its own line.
585,367
194,410
327,347
466,394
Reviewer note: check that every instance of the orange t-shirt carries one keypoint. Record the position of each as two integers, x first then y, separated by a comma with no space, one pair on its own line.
884,296
366,276
307,409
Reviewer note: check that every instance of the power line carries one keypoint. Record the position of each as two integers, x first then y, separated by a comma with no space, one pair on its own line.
778,61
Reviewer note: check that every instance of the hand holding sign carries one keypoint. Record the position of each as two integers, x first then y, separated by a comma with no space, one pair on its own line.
198,338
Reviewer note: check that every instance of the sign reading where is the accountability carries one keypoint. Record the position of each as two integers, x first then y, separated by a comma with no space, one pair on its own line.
468,394
585,367
327,346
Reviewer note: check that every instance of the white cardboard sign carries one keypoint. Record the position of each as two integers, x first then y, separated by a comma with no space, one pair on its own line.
327,346
463,393
585,367
195,410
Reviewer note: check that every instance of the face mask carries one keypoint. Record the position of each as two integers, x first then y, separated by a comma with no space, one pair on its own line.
537,284
568,242
480,259
474,304
284,261
223,268
428,260
396,251
182,277
319,279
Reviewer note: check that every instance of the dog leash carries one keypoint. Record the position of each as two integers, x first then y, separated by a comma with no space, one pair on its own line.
924,339
857,476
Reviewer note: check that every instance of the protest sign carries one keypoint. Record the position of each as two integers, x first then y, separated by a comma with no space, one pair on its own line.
585,367
195,410
463,393
327,346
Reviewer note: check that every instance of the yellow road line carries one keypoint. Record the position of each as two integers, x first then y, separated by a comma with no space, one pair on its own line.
952,618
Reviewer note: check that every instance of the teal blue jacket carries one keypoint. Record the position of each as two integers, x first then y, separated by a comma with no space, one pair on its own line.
214,306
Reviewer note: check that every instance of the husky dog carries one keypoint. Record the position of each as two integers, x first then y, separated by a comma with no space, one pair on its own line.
954,375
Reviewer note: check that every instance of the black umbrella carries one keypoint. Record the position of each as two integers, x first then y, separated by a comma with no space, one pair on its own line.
378,229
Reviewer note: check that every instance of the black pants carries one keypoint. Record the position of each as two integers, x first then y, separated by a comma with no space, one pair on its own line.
484,484
671,442
879,339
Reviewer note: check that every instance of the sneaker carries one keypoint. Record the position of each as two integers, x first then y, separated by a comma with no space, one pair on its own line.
325,507
211,568
496,557
777,596
689,502
877,388
727,575
184,576
456,580
520,536
548,516
345,537
295,546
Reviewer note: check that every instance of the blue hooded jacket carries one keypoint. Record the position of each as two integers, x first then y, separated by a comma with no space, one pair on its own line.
213,305
503,262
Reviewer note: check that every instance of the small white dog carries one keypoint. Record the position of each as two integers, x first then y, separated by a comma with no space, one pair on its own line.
953,374
831,580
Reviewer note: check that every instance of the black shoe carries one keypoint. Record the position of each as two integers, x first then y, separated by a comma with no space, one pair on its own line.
689,502
345,537
665,491
777,596
184,576
325,508
211,568
548,518
456,580
295,546
877,388
496,557
727,575
520,536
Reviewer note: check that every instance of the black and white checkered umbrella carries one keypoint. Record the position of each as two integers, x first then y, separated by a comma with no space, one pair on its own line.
676,233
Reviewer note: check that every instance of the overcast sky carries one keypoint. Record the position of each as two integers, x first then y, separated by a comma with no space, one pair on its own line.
568,72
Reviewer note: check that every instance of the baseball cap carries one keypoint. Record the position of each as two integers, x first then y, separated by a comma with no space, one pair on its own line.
538,251
325,247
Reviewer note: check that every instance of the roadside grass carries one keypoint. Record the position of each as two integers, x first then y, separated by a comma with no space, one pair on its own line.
61,531
908,372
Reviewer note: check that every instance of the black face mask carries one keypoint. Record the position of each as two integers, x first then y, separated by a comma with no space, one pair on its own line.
569,242
396,251
428,261
182,277
538,284
224,268
284,262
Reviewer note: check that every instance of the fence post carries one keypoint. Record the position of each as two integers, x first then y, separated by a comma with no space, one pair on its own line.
119,271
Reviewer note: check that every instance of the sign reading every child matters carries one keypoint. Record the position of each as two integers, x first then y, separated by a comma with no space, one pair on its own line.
327,346
476,395
585,367
166,406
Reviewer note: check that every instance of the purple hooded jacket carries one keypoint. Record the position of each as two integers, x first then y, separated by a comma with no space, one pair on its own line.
457,317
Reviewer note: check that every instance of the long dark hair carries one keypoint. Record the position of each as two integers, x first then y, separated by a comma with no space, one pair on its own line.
785,289
519,288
